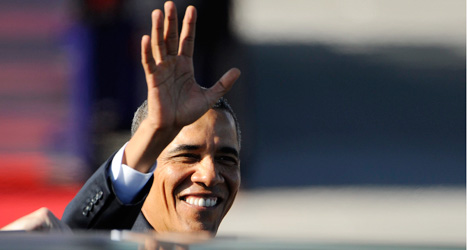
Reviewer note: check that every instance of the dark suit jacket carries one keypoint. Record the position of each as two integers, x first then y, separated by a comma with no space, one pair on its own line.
141,224
97,207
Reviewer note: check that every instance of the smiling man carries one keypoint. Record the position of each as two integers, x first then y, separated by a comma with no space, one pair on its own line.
182,161
180,171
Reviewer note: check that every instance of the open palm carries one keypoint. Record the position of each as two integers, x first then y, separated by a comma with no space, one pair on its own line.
174,97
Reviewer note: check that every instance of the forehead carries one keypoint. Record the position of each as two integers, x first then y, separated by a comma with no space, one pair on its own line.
216,126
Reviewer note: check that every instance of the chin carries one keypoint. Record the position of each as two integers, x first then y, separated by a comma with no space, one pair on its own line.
202,228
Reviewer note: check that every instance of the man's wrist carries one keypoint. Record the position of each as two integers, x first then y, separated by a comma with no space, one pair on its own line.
146,145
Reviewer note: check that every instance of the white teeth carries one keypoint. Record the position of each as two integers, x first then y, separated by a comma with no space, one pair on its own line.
202,202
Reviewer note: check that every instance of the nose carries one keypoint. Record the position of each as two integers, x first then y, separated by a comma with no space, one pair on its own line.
207,174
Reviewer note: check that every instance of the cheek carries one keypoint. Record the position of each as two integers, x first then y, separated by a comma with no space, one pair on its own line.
233,179
171,176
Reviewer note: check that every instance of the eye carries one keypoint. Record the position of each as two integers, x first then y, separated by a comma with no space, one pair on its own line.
227,160
188,158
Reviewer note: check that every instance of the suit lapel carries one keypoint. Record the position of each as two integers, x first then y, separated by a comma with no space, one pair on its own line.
141,224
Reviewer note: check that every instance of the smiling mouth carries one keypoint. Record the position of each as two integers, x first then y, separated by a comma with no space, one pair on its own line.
206,202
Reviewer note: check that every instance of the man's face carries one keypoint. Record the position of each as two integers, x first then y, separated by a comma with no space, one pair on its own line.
197,177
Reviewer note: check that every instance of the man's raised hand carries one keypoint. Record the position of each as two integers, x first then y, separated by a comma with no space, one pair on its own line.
174,97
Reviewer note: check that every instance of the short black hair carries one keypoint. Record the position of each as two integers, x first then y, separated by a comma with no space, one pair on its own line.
221,104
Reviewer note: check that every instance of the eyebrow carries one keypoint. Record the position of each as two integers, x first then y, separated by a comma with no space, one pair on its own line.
187,147
184,147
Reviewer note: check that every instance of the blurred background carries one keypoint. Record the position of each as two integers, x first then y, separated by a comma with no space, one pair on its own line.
352,112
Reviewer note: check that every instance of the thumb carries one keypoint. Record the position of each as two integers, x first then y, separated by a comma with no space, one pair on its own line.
222,86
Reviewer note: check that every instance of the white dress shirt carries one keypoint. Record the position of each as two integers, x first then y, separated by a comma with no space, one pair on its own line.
127,182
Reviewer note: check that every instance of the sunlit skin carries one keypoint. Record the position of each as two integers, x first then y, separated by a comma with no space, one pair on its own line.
202,161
